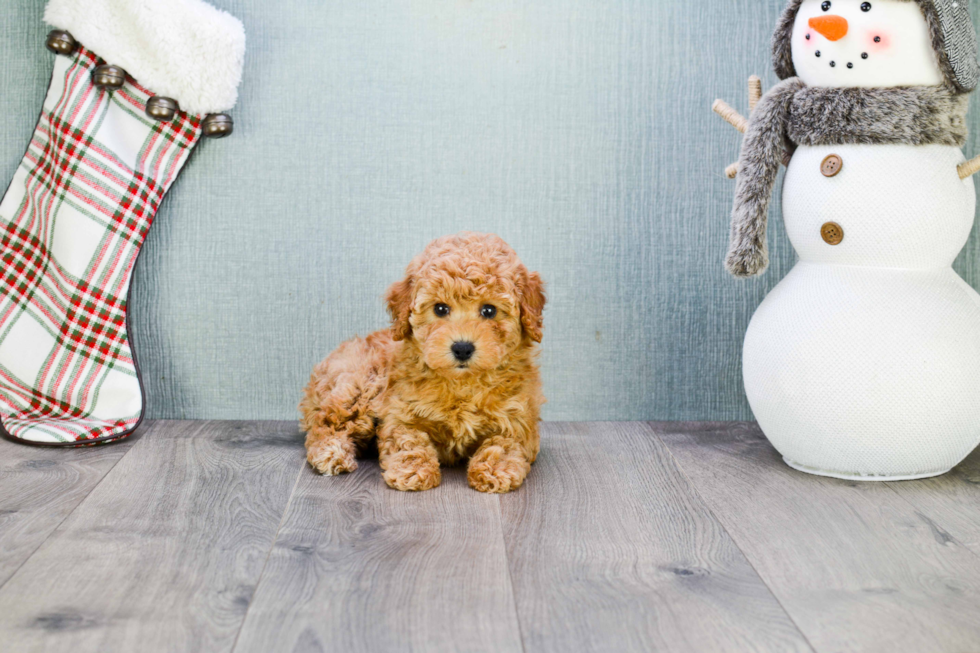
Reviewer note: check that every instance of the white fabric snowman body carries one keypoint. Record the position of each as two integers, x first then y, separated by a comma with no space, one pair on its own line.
864,362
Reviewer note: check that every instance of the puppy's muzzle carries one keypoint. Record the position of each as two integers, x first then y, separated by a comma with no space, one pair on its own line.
463,351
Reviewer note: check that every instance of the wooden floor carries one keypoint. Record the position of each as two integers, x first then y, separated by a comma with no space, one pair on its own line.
215,536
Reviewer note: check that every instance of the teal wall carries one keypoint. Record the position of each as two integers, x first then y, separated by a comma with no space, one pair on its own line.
579,130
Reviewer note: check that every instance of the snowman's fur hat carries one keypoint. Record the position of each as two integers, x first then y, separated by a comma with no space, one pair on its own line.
953,39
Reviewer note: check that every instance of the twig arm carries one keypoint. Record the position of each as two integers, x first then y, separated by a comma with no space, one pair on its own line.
969,168
736,120
730,115
755,91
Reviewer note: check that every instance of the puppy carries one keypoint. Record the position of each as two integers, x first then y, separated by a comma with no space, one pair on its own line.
455,377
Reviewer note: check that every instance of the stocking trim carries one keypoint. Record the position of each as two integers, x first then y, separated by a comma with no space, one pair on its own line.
183,49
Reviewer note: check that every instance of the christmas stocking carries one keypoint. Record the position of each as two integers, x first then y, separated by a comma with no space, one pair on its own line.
136,86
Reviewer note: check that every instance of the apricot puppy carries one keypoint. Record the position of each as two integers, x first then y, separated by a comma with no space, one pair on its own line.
454,378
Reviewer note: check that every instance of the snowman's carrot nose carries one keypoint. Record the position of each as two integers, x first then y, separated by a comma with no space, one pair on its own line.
834,28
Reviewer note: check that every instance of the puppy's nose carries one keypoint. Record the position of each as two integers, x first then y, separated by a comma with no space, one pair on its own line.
463,351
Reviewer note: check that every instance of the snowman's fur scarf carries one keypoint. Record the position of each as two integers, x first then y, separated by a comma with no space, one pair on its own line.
763,150
782,46
793,114
913,115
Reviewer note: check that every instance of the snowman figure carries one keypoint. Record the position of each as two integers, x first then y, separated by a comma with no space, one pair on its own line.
864,362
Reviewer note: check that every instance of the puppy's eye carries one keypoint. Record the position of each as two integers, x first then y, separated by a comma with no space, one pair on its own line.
489,311
825,6
865,6
441,310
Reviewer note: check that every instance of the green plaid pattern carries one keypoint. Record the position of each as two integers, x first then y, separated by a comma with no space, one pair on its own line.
71,226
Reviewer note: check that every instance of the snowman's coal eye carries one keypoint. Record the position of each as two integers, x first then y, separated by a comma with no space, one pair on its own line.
825,6
865,6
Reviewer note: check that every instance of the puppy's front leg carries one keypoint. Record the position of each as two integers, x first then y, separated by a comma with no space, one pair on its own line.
329,452
500,465
408,458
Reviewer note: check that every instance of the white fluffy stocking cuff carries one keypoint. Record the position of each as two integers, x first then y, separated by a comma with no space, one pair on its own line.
183,49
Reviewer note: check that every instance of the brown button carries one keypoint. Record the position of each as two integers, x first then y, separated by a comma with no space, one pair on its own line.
832,233
831,166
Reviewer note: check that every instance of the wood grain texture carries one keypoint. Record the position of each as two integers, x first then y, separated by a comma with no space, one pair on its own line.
165,553
39,488
856,566
953,501
361,568
611,550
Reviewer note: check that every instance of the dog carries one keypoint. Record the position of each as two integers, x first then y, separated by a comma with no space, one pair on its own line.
454,378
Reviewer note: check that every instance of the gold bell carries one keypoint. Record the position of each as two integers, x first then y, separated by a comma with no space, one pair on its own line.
162,109
218,125
60,42
109,77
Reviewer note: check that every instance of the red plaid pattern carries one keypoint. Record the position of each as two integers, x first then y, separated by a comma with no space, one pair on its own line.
71,225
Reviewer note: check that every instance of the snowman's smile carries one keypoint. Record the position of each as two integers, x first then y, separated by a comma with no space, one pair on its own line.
833,63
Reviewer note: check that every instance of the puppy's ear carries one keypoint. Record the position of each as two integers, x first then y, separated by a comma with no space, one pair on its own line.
532,304
399,298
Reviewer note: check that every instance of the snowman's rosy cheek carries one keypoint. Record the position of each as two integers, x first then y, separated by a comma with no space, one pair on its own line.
809,40
878,41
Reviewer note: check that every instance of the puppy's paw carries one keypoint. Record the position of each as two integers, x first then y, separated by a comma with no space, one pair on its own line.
331,457
412,471
493,470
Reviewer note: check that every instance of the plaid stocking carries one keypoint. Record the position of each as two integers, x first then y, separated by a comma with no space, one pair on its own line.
71,226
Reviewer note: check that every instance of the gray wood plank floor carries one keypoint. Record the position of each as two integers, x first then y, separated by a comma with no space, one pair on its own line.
215,536
608,532
166,552
855,565
361,568
39,488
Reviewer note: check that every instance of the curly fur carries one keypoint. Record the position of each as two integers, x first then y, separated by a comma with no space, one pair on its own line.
402,389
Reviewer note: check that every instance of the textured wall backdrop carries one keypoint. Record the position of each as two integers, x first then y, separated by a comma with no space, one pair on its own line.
579,130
